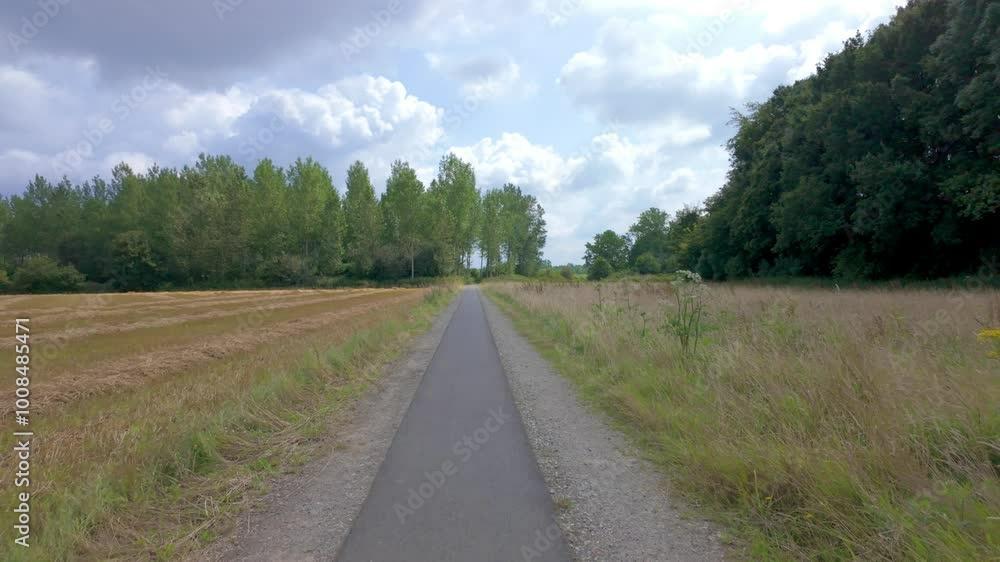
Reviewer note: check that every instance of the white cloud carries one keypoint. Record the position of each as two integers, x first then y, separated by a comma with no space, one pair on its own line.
184,144
365,117
635,74
138,161
512,158
212,112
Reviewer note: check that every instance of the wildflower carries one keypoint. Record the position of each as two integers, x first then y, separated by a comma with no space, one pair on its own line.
993,335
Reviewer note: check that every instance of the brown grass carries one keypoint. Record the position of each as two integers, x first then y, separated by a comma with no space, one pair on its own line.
824,424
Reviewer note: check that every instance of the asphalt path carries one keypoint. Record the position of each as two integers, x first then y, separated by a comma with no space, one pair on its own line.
460,481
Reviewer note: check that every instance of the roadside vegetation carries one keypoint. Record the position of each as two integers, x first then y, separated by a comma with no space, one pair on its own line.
159,416
815,423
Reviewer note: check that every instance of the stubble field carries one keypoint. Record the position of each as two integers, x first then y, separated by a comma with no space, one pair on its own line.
156,415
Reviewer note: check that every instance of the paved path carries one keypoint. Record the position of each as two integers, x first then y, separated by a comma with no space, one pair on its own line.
460,481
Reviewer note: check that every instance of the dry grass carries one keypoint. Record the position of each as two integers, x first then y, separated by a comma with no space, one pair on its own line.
824,425
149,435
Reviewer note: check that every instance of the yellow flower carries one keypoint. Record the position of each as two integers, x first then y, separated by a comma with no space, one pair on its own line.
994,335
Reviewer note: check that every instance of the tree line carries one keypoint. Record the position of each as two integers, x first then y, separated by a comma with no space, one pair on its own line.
885,163
213,224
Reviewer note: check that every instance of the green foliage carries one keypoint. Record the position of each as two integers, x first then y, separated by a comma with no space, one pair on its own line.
285,271
599,269
133,266
362,218
649,235
686,320
882,165
211,225
512,232
42,274
400,211
646,264
567,273
610,246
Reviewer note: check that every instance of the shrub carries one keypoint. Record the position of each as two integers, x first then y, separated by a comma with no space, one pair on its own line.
285,271
4,280
42,274
566,272
600,269
647,264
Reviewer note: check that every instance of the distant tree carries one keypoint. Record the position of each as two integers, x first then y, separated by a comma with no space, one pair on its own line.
491,236
133,266
455,186
331,237
284,271
362,219
610,246
402,204
649,236
42,274
211,224
647,264
599,269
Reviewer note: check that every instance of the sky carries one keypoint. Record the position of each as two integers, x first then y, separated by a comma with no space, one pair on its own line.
599,108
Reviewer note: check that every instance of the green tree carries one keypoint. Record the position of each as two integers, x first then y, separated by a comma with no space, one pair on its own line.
402,204
42,274
270,233
649,235
647,264
610,246
310,186
491,230
133,266
362,220
456,185
599,269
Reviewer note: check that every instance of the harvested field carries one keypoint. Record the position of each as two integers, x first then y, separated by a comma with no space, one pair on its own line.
148,409
107,349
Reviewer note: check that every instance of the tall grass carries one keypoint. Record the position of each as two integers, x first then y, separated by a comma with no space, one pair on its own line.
819,424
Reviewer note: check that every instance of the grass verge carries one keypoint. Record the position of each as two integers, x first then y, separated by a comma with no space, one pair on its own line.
153,473
817,425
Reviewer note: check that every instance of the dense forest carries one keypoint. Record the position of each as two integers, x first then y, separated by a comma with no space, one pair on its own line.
212,224
885,163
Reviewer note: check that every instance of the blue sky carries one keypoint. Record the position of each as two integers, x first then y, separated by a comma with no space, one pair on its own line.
600,108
